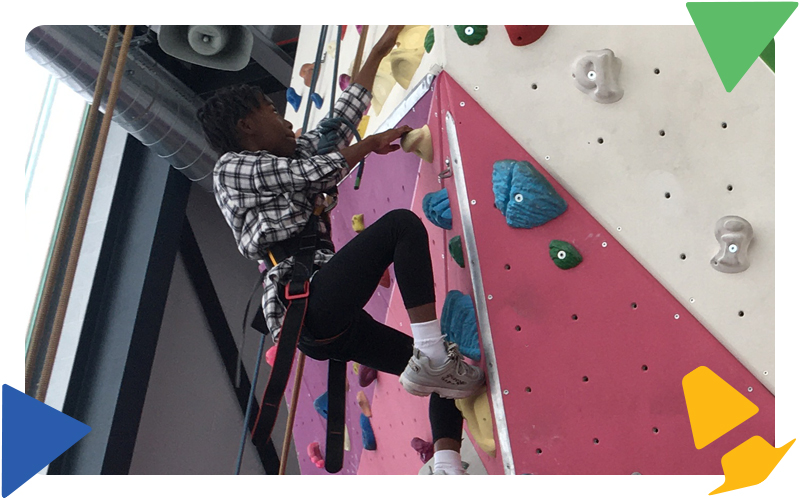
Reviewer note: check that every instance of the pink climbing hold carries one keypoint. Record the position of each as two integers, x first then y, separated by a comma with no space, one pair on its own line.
366,375
424,448
525,35
344,81
315,454
358,28
270,355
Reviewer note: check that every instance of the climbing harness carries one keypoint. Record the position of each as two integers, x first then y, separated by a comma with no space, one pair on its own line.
303,248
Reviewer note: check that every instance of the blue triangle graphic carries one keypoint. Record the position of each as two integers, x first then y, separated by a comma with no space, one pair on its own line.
34,435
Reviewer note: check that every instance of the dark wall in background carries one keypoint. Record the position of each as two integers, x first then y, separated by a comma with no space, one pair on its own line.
192,422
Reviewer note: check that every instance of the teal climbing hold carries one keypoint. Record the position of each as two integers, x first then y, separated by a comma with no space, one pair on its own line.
293,98
524,195
472,34
367,435
429,39
460,325
436,207
564,254
456,250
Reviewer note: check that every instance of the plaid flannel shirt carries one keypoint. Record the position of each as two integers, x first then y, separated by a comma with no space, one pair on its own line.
266,199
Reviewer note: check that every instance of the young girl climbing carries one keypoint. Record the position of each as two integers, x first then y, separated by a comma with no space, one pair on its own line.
268,183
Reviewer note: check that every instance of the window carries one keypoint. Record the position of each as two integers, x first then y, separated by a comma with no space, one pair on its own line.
54,120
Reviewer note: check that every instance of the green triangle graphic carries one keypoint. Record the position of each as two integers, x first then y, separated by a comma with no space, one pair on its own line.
736,33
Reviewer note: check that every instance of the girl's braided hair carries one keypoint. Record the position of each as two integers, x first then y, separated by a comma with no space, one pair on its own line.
221,112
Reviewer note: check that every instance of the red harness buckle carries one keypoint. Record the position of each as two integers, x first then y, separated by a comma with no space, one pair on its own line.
298,296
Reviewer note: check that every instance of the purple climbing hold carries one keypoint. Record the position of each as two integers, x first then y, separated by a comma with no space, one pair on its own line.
366,375
424,448
344,81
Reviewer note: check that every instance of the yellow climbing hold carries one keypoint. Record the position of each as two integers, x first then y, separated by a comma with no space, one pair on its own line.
419,142
362,127
355,367
358,224
714,406
750,463
479,420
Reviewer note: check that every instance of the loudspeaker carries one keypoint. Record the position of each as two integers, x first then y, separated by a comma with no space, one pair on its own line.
219,47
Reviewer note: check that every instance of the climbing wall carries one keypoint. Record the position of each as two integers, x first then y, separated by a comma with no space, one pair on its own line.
388,183
590,360
659,167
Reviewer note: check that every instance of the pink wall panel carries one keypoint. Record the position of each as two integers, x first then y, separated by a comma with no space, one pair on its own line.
638,416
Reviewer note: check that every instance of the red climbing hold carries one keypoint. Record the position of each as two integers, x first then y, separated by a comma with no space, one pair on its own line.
525,35
270,355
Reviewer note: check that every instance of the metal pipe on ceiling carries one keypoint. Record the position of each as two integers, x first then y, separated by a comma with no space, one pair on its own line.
153,105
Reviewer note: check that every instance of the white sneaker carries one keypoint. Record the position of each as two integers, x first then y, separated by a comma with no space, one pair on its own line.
453,380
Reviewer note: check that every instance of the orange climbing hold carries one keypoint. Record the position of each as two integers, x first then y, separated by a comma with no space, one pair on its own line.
363,403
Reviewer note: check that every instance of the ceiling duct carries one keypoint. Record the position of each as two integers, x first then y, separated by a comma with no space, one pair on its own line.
153,105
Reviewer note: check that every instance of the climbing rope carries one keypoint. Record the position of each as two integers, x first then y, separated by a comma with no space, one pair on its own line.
83,217
71,202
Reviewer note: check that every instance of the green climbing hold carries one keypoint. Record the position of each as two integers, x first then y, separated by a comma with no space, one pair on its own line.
456,250
564,255
429,41
472,34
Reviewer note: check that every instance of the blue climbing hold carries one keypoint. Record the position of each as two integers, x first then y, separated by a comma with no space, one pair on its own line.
293,99
436,206
321,405
317,100
367,436
524,195
460,325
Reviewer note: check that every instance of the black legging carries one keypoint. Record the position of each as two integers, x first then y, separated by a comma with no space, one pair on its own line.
337,325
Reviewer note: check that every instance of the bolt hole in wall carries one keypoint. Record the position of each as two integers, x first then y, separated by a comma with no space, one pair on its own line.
634,305
667,195
655,430
730,188
527,389
517,328
662,133
508,267
585,378
741,314
644,368
600,140
683,256
534,86
575,317
596,441
724,124
657,71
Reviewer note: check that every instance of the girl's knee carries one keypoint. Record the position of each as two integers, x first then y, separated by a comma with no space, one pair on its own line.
407,218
